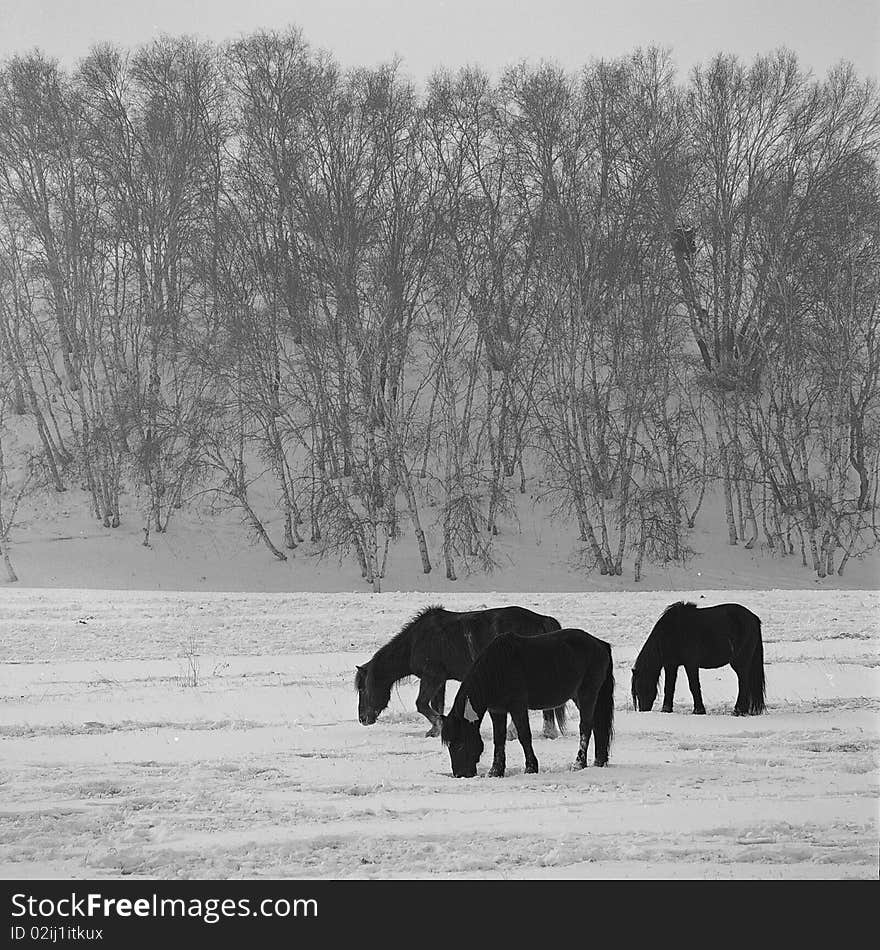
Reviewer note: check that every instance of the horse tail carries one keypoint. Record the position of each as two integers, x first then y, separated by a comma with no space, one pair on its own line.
757,685
603,716
561,718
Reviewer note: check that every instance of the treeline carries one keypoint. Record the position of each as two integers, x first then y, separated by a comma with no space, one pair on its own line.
397,305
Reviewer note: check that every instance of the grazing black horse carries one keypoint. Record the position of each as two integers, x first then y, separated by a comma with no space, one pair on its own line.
515,674
437,645
701,637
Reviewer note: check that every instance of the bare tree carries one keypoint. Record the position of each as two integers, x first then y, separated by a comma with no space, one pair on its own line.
17,480
812,423
224,268
156,131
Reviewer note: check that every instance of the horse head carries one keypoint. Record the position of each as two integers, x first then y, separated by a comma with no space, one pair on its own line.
373,697
462,737
644,690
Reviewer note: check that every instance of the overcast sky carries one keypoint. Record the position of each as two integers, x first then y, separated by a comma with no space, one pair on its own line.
494,33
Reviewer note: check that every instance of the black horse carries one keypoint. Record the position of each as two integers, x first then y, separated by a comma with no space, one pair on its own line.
437,645
707,637
515,674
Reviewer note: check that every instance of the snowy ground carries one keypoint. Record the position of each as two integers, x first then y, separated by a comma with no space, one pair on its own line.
111,764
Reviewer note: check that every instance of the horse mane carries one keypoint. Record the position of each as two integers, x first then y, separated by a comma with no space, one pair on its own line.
398,644
491,670
473,688
408,627
450,730
650,658
677,607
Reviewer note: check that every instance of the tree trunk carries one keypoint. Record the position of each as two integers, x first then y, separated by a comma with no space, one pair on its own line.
412,506
726,485
11,576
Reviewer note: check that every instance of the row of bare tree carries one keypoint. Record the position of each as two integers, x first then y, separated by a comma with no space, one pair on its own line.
396,307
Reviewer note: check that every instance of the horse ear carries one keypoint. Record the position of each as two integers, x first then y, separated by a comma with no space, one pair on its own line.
469,712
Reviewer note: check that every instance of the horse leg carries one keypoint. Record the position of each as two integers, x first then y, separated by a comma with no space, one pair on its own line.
427,689
548,732
742,666
669,677
693,675
586,730
499,736
520,719
511,731
741,708
438,703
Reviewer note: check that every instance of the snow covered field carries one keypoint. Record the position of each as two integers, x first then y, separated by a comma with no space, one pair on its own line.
205,735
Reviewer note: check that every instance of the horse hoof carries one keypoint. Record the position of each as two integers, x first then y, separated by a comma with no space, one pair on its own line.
532,769
496,773
699,712
577,765
666,709
550,735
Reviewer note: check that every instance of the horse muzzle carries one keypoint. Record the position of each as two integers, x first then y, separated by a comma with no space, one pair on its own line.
367,719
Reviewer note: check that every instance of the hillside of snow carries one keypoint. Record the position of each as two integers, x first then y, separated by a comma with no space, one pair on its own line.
58,543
